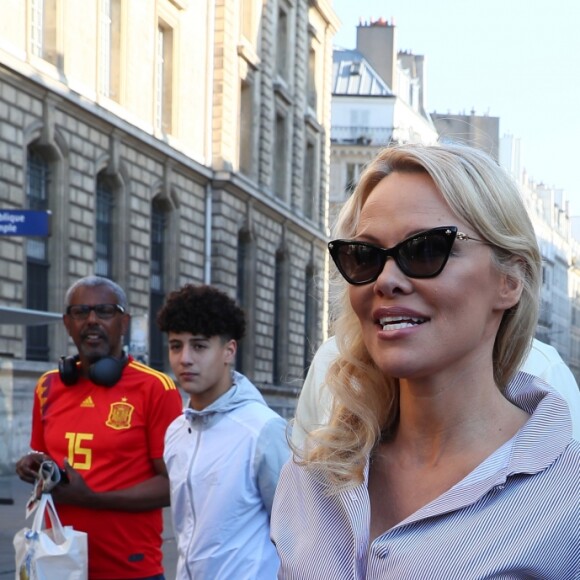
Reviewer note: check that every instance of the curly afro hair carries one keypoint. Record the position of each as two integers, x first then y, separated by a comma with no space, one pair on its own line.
202,310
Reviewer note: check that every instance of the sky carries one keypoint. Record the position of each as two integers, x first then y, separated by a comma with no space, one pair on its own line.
518,60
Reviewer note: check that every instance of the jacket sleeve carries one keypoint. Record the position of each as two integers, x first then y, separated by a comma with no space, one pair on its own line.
272,452
314,403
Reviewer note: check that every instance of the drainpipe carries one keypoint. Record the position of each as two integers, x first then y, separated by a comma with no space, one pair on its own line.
208,224
208,147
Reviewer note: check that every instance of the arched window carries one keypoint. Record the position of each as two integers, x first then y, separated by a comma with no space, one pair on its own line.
245,296
37,263
104,227
281,330
310,316
159,248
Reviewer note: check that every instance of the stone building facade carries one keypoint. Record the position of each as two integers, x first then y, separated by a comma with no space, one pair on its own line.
173,141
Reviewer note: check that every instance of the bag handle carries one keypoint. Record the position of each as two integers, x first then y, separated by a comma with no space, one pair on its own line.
47,479
47,506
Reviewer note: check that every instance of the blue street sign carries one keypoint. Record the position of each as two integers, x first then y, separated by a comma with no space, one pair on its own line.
24,222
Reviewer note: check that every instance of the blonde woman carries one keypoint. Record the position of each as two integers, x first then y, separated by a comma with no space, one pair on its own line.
440,460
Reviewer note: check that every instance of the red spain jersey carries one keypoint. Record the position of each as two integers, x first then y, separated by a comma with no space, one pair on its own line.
110,435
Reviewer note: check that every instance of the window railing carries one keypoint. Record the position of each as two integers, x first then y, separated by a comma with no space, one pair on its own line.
360,135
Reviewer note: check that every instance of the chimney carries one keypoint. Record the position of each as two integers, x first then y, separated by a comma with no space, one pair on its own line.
376,41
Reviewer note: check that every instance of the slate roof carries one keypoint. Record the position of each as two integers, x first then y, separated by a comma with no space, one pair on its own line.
353,75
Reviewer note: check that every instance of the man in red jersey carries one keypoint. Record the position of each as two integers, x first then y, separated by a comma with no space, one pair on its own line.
101,416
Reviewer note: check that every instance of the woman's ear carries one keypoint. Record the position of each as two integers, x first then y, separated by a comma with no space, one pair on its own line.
512,284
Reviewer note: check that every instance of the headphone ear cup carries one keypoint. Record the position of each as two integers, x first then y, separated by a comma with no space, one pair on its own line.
67,369
107,371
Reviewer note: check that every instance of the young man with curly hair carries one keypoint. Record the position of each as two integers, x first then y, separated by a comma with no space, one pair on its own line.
225,452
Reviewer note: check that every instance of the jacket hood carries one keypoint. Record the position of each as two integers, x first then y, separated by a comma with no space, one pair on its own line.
242,393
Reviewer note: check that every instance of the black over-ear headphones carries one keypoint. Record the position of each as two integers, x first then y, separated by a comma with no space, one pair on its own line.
105,372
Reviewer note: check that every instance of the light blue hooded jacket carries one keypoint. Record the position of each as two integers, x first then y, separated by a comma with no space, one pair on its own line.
223,464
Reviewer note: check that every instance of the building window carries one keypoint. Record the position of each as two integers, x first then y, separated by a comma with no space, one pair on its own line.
245,296
157,287
104,227
110,49
164,78
36,27
280,157
247,19
282,44
43,29
246,128
241,263
309,190
311,84
37,264
353,172
310,317
281,331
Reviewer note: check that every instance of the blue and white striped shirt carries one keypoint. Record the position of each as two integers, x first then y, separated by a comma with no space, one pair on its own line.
517,515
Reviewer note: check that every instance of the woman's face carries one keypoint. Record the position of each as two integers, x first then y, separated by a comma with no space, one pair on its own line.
415,328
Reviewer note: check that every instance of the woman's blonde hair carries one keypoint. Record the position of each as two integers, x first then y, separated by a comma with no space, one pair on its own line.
365,401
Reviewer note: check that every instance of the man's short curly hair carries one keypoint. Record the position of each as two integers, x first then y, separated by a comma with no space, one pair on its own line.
203,310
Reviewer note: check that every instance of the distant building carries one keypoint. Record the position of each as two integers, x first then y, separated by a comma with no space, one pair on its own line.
378,99
559,321
552,224
510,156
481,131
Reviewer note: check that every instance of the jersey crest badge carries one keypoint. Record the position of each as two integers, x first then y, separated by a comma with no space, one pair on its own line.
120,415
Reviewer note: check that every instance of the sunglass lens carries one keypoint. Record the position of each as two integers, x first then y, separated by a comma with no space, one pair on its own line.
359,262
425,255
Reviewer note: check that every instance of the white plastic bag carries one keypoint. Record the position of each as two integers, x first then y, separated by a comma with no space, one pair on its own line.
59,552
